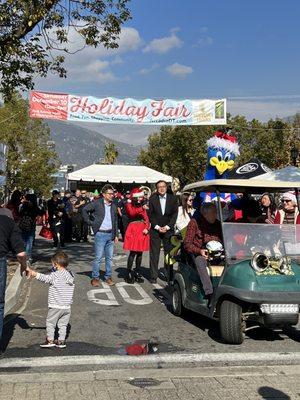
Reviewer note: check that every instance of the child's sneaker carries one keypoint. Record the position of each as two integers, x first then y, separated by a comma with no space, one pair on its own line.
47,344
61,344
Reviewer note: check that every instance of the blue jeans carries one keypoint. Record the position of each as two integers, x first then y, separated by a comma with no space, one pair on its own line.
28,239
103,245
3,273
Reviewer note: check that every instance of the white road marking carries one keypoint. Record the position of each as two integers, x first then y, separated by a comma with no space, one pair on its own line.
110,301
120,286
164,358
145,298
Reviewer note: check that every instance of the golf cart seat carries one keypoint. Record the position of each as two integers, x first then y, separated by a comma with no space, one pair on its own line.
212,270
215,270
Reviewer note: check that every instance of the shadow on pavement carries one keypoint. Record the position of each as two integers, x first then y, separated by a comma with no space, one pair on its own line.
263,333
11,321
269,393
73,348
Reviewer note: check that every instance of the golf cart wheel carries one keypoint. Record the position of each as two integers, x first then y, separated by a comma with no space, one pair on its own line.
177,307
231,322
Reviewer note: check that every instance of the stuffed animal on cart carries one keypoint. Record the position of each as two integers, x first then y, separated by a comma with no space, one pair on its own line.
222,150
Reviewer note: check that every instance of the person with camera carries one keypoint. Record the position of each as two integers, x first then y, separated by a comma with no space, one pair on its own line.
137,234
199,232
56,219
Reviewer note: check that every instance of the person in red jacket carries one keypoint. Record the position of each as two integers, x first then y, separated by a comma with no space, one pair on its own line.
137,234
289,213
199,233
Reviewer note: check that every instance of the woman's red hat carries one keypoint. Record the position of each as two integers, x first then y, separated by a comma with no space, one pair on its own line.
136,192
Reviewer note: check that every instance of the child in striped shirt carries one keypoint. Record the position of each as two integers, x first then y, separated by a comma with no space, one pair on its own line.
60,298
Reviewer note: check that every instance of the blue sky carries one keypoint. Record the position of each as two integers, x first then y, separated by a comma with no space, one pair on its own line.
198,49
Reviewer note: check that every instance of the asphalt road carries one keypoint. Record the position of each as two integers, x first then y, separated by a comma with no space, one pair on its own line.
104,322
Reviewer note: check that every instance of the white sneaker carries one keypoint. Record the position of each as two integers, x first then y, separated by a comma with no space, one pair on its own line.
61,344
47,344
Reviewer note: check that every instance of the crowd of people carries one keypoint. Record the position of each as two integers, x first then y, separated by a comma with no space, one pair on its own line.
143,223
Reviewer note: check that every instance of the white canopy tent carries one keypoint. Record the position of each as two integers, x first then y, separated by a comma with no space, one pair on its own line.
287,174
118,174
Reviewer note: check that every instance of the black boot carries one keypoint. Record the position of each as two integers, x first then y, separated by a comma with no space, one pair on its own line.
138,277
129,276
138,262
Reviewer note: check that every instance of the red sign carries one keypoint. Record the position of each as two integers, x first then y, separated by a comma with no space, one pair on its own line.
48,105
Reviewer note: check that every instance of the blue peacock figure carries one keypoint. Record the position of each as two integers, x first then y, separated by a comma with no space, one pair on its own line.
222,150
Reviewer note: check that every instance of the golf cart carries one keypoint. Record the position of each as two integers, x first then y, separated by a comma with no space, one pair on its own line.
255,272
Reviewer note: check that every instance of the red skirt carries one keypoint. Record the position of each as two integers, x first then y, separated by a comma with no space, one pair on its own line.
135,240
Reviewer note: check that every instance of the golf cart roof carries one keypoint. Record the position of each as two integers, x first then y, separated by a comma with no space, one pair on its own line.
241,185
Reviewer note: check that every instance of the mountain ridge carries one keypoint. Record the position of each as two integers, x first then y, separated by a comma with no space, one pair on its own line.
81,146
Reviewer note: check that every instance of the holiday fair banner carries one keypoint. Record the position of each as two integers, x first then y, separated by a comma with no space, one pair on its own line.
68,107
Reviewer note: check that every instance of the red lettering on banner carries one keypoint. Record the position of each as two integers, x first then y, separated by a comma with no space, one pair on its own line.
63,106
120,109
173,112
158,107
103,105
142,113
185,111
79,104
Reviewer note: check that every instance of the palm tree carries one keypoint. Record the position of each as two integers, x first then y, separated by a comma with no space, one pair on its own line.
110,153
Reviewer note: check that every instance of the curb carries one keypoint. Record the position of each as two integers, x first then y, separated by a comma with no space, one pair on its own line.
12,291
162,375
153,360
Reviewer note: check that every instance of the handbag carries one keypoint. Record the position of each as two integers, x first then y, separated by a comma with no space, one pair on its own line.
46,233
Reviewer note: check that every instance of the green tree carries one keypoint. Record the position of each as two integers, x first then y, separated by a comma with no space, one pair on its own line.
178,151
34,35
182,152
110,153
30,162
271,142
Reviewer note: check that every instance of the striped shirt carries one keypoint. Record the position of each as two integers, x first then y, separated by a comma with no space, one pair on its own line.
61,288
289,227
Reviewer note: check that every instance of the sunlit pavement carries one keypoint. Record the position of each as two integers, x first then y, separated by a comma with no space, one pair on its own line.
105,320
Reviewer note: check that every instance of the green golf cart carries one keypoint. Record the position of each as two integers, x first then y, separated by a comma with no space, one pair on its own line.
255,272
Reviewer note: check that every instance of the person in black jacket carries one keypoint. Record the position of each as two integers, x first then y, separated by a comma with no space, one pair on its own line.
56,218
28,213
10,239
163,210
102,216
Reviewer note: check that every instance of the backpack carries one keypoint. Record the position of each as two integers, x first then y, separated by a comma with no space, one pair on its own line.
26,223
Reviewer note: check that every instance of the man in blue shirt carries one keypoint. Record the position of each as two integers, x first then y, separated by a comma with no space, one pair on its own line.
101,215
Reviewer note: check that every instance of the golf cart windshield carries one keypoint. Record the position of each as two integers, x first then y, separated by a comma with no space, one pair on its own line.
243,240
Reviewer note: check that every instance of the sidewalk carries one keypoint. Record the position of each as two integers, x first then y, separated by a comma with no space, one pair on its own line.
214,383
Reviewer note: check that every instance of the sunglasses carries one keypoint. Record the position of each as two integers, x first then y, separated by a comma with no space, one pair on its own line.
286,201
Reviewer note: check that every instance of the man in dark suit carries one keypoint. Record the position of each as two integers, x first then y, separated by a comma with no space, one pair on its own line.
101,215
163,210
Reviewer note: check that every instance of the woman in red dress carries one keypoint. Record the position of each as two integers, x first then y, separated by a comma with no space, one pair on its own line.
137,234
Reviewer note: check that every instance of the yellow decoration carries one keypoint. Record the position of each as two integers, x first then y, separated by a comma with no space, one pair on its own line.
222,165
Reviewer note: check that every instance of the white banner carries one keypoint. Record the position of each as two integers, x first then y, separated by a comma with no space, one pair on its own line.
127,111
